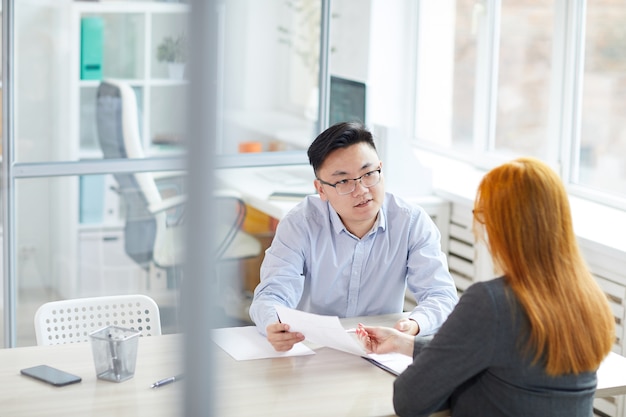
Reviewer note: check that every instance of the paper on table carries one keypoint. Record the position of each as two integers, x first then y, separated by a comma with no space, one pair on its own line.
245,343
328,331
322,330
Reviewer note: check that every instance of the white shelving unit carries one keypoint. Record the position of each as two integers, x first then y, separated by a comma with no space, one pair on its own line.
132,31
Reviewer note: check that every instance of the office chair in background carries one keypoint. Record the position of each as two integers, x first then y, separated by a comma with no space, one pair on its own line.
233,246
232,242
150,237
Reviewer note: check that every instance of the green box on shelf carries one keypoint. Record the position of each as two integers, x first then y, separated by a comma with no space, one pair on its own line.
91,48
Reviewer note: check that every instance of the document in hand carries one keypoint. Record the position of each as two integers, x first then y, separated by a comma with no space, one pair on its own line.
328,331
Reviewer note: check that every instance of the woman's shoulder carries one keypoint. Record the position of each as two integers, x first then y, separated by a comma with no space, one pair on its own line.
496,289
492,303
495,284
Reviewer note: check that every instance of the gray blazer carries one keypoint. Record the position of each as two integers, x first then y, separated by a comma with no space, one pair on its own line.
475,366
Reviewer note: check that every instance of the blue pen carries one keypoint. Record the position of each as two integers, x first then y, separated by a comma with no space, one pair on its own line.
166,381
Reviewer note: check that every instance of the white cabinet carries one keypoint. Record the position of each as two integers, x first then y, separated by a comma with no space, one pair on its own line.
130,33
104,267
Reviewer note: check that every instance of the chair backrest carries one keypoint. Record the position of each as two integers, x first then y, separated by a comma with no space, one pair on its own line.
71,321
119,137
230,212
231,241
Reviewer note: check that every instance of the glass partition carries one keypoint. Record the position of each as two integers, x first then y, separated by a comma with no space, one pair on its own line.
106,243
269,75
2,290
141,44
89,77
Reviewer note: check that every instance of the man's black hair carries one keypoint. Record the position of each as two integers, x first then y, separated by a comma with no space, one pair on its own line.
339,135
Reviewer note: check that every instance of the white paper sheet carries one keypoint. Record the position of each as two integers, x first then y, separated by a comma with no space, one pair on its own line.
328,331
245,343
322,330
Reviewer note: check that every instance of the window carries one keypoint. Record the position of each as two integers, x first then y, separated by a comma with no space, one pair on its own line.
601,155
67,221
446,74
500,79
464,75
523,85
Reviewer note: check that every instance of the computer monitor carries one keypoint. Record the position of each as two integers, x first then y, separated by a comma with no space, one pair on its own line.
347,101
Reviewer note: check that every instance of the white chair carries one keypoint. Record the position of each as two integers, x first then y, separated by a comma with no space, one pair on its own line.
71,321
150,236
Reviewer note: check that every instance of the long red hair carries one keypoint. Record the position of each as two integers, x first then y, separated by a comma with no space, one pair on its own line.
525,211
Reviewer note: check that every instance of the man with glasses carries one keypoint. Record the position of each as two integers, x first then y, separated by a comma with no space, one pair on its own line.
353,250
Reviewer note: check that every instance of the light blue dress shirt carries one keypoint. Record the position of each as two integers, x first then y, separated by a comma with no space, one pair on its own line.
314,264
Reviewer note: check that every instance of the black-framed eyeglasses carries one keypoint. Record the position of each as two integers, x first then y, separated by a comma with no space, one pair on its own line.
369,179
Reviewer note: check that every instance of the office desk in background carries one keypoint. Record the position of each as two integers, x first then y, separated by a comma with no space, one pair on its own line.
157,358
256,185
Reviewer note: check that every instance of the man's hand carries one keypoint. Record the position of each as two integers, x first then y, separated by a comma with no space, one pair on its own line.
281,338
407,326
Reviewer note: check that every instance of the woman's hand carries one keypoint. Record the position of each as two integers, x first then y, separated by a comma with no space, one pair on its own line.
384,340
377,339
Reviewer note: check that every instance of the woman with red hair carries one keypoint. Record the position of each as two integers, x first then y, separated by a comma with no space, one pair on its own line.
527,343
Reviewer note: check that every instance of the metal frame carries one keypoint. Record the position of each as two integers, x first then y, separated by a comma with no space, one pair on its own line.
8,189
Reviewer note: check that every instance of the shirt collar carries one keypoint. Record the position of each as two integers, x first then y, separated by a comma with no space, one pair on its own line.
338,226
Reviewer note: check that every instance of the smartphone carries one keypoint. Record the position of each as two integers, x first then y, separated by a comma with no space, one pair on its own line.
51,375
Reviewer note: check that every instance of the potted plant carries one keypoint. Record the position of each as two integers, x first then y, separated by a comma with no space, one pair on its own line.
173,51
